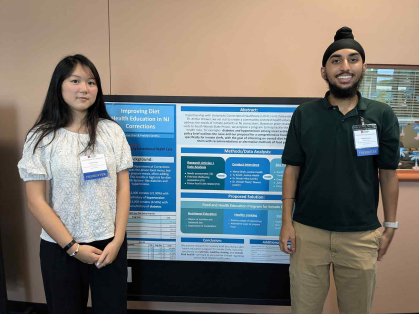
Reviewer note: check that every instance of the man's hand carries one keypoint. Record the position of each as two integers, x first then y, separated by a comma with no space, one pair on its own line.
287,233
109,254
386,238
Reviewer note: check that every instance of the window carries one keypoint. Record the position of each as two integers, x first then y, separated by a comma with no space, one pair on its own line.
398,86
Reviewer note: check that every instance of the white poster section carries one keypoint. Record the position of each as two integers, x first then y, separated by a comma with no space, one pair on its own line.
207,180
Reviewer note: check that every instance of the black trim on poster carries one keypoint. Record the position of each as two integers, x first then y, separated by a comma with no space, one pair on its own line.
157,298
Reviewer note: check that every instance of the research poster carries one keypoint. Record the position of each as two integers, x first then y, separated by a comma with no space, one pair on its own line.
207,180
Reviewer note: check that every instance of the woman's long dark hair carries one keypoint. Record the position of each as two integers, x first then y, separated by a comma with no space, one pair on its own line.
57,114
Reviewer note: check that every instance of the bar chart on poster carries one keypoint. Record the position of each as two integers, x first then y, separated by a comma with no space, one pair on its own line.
206,184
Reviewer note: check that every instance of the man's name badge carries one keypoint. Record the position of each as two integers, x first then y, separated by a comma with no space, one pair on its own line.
366,140
94,167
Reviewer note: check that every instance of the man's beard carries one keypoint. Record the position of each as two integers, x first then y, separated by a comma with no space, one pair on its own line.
344,93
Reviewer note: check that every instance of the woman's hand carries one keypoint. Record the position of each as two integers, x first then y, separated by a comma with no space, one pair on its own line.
109,254
87,254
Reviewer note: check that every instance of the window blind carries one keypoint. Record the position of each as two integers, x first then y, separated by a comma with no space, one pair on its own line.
397,86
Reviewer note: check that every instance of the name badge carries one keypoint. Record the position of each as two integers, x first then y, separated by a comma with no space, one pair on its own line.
366,139
94,167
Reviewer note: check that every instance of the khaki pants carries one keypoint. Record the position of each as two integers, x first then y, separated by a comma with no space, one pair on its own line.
354,259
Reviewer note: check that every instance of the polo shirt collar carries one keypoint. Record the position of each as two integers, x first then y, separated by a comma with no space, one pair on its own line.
360,106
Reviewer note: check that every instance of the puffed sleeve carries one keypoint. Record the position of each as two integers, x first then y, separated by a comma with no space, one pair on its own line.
35,165
122,149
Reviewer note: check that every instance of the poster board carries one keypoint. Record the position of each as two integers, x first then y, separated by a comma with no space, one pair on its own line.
206,203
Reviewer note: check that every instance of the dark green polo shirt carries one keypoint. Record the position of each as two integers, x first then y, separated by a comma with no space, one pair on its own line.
336,190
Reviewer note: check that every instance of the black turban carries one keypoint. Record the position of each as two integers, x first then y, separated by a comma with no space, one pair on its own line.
344,39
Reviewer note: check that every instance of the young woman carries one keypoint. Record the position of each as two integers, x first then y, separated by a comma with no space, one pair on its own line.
84,156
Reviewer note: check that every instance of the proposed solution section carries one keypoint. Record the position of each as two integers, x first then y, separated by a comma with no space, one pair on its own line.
207,180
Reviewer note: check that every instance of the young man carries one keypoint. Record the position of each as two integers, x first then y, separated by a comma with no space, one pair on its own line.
339,150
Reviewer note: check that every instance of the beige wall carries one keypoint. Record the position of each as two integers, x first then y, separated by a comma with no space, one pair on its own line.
191,47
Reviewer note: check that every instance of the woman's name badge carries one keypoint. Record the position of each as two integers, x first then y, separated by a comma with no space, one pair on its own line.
94,167
366,140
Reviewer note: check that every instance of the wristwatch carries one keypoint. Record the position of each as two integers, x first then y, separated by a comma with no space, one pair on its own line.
394,225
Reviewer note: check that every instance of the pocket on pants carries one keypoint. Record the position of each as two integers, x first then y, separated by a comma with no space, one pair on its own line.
378,238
